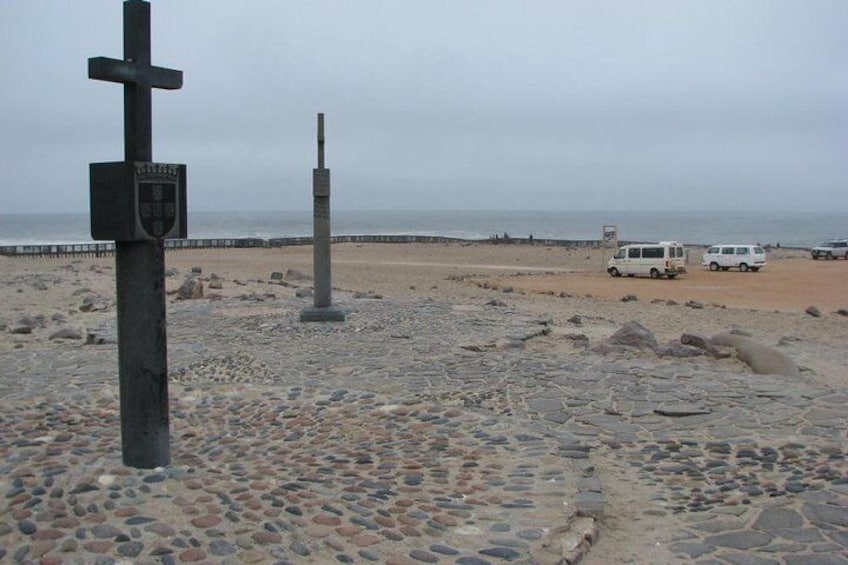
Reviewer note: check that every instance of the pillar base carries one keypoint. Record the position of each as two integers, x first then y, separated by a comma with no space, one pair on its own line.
322,314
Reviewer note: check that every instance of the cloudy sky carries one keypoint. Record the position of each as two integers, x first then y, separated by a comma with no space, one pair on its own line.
476,104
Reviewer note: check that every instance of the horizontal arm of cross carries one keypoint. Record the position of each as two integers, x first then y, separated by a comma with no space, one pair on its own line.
116,70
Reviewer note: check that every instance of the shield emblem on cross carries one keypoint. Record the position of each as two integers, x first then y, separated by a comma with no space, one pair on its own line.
157,207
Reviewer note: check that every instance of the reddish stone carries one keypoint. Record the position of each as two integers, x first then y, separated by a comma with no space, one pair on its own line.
406,520
385,521
126,512
47,534
21,513
327,520
410,532
23,497
66,522
348,531
98,546
160,529
265,538
95,518
41,547
364,540
193,554
446,520
206,521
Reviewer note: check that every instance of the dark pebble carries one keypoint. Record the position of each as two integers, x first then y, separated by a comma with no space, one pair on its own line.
300,548
138,520
130,549
423,556
368,555
155,478
20,553
221,547
344,558
27,527
500,553
443,549
84,487
365,523
105,531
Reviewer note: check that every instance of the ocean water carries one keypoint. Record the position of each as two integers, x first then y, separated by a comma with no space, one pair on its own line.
790,229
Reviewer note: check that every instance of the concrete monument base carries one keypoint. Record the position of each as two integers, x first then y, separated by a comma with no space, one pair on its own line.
322,314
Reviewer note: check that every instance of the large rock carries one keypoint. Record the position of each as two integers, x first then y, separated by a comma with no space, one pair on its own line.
634,334
66,333
192,288
702,342
295,275
762,359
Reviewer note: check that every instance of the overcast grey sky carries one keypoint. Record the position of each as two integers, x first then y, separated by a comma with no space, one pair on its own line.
483,104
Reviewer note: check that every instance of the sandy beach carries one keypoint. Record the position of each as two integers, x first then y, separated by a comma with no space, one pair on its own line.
546,441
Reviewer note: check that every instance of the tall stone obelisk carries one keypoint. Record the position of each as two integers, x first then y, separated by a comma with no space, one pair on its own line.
323,309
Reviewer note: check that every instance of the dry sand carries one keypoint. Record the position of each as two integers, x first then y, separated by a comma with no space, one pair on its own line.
554,282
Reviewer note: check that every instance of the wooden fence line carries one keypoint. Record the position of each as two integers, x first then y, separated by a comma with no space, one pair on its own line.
105,249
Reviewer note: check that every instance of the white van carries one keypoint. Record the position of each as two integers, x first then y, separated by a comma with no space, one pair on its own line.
737,256
653,259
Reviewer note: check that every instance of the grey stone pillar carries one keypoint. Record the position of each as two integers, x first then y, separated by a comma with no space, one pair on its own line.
323,309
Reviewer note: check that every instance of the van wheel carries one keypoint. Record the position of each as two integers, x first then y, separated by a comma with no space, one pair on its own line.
714,266
755,269
743,267
614,272
655,274
829,256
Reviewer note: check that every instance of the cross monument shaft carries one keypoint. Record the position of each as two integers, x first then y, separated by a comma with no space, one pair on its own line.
139,264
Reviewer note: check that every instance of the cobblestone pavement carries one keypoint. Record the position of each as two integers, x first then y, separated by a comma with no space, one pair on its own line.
414,432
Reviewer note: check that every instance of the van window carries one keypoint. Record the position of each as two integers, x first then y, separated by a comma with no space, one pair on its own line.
653,252
679,251
634,252
727,251
621,254
713,250
758,250
741,250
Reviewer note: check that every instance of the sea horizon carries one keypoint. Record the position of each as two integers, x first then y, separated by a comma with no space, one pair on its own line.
787,228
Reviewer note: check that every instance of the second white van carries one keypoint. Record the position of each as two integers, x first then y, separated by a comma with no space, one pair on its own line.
735,256
666,258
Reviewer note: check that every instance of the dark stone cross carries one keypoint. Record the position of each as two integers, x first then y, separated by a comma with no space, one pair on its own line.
139,260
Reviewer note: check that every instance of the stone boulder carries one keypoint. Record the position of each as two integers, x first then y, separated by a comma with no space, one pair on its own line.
66,333
92,303
762,359
216,282
703,343
634,334
191,289
295,275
